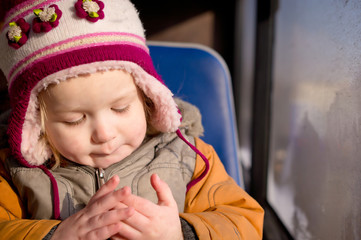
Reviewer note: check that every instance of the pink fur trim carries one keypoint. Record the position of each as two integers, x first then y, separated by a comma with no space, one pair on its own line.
34,151
166,117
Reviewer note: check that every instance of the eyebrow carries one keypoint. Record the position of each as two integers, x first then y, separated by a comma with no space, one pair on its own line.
125,95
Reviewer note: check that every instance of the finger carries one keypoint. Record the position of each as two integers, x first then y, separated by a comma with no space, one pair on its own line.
164,194
108,187
110,201
137,221
128,231
104,219
117,237
104,232
110,217
143,206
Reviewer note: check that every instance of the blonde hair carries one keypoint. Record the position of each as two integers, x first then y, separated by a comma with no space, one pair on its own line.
149,109
57,159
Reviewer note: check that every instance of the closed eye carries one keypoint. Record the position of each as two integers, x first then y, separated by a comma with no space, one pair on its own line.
121,110
74,123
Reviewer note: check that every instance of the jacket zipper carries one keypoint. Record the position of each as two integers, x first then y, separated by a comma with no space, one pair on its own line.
100,174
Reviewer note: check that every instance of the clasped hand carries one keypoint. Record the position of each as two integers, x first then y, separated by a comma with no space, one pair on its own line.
122,215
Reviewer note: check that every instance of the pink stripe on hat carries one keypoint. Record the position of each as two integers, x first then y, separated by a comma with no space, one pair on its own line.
92,36
82,43
57,62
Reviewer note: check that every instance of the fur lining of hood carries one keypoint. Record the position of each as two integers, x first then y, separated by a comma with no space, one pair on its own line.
191,118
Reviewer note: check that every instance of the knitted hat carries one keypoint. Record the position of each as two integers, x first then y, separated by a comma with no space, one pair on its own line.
48,41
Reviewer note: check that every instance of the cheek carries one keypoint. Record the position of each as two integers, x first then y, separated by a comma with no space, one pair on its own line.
67,142
140,131
138,128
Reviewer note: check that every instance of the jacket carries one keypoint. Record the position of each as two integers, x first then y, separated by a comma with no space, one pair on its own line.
216,206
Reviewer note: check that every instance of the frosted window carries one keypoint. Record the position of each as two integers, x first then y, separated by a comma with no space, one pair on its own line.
314,181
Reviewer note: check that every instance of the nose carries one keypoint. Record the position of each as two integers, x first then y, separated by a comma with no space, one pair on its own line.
103,131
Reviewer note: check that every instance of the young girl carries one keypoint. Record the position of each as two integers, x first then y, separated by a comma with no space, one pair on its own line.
98,146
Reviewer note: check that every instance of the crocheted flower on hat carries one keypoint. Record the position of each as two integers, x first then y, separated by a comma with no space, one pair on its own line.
92,10
18,33
47,18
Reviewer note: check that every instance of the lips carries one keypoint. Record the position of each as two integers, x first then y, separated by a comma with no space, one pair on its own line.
106,149
97,155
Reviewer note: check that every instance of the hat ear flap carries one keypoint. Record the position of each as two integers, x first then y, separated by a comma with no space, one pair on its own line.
34,147
166,117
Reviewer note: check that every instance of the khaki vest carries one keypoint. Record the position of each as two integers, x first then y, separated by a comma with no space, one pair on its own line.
166,154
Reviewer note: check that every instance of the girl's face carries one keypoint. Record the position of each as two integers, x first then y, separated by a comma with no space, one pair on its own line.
96,119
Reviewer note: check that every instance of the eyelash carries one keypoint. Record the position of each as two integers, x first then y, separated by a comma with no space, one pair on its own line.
76,122
122,110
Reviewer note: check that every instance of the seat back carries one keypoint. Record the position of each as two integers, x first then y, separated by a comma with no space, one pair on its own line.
197,74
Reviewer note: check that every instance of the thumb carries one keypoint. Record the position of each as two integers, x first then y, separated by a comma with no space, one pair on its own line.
164,194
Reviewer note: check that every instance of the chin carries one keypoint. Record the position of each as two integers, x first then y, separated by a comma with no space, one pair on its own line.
106,162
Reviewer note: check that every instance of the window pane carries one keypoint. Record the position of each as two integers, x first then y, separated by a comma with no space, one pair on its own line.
315,164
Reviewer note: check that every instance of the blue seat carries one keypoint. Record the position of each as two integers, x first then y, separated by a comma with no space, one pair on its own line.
200,76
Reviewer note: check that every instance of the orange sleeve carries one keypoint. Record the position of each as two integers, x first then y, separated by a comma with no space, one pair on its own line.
10,203
12,224
217,207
